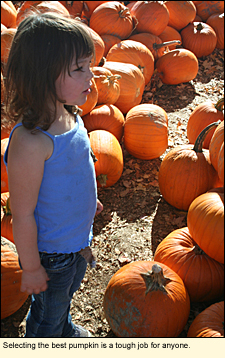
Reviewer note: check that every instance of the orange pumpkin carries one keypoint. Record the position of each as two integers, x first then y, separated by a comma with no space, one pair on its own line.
215,144
207,8
216,21
11,296
186,172
205,221
146,299
4,174
181,13
136,53
152,16
108,85
146,131
170,34
204,114
75,8
92,99
152,42
200,38
109,165
109,41
208,323
8,14
99,47
42,6
221,164
7,37
112,18
107,117
203,277
132,84
177,66
89,7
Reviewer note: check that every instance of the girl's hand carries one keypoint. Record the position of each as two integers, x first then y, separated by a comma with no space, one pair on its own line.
34,281
99,207
88,254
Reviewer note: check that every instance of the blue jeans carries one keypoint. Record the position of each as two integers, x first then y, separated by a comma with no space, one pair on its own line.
49,314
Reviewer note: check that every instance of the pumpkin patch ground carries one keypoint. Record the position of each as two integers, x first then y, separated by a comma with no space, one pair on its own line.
136,218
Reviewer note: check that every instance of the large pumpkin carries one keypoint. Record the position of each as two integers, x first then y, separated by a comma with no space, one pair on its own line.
8,14
204,114
152,42
199,38
146,131
170,34
11,296
132,84
208,323
134,52
109,165
107,117
186,172
112,18
181,13
205,221
216,21
221,164
152,16
215,144
177,66
7,37
203,276
146,299
92,99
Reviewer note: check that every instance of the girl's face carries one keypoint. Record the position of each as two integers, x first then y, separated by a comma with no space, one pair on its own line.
75,86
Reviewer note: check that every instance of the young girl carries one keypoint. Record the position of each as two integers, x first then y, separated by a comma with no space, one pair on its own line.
51,174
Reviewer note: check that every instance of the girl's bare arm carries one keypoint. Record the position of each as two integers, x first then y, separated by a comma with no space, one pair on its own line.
27,154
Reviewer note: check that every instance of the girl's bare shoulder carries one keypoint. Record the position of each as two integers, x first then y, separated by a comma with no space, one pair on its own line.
24,140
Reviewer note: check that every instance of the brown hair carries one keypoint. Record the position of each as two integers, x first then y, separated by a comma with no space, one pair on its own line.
44,46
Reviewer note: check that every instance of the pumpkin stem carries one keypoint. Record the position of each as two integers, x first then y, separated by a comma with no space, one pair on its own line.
164,44
201,137
102,178
199,26
155,280
220,104
6,208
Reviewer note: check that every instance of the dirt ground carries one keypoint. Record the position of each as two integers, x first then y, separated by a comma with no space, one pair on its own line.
136,217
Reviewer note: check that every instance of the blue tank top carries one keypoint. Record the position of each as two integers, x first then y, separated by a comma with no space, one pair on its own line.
67,198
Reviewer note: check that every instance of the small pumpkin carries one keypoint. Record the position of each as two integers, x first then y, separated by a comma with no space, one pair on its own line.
146,131
181,13
186,172
89,7
199,38
136,53
205,113
11,296
132,84
112,18
152,42
75,8
109,165
216,21
99,47
203,276
146,299
107,117
208,323
152,16
92,99
215,144
205,221
8,14
7,37
108,85
177,66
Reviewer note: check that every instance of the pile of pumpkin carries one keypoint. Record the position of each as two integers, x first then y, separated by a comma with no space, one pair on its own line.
132,42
